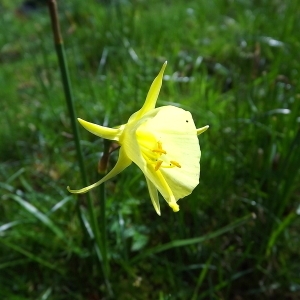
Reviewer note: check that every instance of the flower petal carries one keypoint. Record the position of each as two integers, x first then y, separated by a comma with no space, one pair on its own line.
122,163
152,96
104,132
202,129
153,195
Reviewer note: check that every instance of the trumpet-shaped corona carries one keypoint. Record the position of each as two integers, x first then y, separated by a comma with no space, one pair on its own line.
162,142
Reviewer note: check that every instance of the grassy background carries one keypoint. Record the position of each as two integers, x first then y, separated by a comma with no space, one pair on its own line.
235,65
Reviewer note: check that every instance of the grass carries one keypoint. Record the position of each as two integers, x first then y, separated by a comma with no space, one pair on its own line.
235,65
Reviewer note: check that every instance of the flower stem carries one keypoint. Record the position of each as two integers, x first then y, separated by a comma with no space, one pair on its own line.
58,41
102,169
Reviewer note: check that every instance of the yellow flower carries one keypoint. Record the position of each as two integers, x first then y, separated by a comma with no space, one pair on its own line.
162,142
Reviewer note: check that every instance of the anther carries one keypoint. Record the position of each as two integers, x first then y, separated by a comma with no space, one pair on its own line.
158,164
175,163
159,149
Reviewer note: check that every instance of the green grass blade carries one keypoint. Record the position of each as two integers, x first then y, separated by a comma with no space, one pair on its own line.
13,263
186,242
30,255
201,277
39,215
46,294
281,227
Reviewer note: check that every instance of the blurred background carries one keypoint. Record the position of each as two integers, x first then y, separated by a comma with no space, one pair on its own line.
235,65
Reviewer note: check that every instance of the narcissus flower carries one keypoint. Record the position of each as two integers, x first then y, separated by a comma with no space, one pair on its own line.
162,142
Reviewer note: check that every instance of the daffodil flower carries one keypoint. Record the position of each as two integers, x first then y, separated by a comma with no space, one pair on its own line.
162,142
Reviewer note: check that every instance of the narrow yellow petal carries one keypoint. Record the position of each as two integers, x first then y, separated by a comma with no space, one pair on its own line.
202,129
122,163
104,132
152,95
153,195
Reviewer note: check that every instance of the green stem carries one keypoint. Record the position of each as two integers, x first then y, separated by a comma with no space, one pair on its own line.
58,41
102,171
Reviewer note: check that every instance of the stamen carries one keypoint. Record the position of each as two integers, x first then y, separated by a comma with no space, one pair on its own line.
158,161
170,199
175,163
158,164
159,148
161,151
